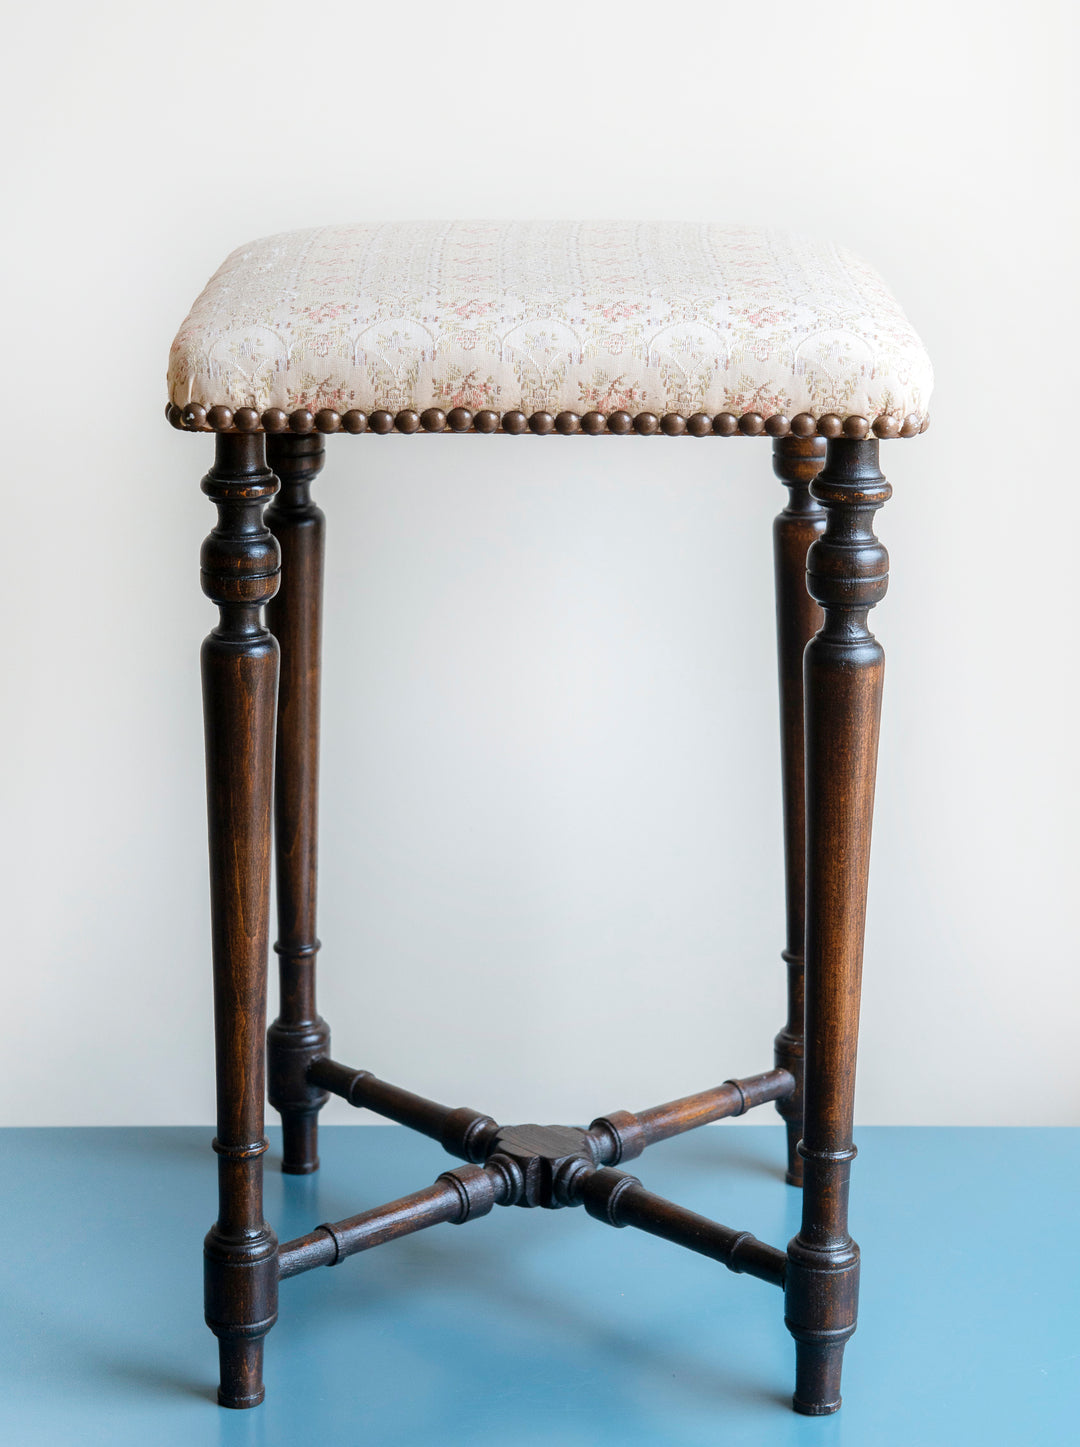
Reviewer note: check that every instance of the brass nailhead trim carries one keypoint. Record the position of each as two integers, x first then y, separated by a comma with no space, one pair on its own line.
197,418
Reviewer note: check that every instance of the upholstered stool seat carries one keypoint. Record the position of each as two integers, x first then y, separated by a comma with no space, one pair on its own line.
653,329
493,323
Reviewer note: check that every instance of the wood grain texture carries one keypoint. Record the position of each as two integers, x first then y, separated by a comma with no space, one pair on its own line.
796,462
847,571
240,677
830,570
621,1200
457,1196
623,1135
294,615
534,1166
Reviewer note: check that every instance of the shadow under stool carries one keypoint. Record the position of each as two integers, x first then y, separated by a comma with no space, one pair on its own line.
558,329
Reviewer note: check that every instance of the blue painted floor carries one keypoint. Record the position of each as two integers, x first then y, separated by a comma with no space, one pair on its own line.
542,1327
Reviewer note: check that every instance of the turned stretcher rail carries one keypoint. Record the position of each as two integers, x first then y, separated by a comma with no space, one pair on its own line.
623,1135
470,1191
537,1165
456,1196
620,1136
621,1200
329,1244
462,1132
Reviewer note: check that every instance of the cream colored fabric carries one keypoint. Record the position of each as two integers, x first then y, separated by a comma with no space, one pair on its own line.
545,316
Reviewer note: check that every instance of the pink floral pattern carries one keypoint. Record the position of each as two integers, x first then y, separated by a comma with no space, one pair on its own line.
547,316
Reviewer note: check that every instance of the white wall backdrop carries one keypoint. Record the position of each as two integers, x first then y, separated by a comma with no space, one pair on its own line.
551,820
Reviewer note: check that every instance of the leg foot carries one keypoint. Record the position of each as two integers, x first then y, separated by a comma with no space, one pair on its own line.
821,1303
794,1176
241,1374
817,1377
300,1138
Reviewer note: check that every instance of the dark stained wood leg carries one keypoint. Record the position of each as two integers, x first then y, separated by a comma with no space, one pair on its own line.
847,571
298,1036
240,678
796,462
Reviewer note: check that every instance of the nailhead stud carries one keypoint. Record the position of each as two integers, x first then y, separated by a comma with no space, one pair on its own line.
220,418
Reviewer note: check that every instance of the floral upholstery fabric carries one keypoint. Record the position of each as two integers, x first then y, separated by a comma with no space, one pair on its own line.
584,316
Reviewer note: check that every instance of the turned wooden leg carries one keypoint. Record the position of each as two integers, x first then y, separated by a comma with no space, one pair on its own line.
847,571
796,462
298,1035
240,677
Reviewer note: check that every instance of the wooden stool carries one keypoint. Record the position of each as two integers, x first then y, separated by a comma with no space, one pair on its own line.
646,329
